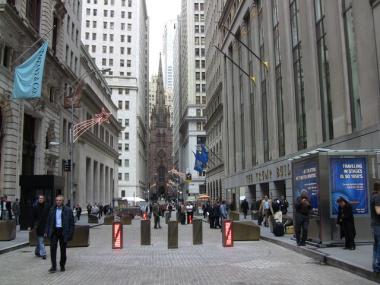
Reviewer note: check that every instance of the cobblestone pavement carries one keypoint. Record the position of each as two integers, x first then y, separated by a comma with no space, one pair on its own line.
246,263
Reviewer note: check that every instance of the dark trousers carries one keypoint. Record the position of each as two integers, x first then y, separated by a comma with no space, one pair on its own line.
349,234
189,214
156,221
301,225
212,222
57,236
216,222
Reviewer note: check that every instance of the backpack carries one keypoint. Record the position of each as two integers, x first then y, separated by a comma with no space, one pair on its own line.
278,229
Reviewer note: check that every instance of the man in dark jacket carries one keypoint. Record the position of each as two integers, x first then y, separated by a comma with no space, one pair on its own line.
59,227
303,208
245,207
38,222
346,221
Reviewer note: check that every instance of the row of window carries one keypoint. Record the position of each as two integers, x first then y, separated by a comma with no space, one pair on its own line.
111,37
122,62
112,2
200,52
199,17
126,136
199,41
72,31
199,99
110,25
199,77
126,163
120,105
199,29
126,178
199,7
200,63
70,59
200,88
126,122
126,147
110,49
105,13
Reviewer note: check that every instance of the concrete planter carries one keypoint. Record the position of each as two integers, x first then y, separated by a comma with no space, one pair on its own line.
246,231
92,219
7,230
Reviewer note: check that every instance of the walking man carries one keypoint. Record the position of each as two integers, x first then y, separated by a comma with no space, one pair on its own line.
40,213
303,208
244,208
16,211
60,227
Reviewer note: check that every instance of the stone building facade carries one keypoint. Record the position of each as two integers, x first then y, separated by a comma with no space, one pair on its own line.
320,90
160,144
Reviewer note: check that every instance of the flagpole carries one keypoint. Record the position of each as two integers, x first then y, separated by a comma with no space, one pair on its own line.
36,42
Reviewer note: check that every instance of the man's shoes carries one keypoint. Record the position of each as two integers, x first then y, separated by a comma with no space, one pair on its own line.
62,268
37,254
44,257
52,270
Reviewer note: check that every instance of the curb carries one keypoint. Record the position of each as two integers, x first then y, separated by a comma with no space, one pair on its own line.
25,244
327,259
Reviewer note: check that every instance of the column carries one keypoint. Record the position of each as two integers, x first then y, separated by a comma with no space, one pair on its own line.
89,180
95,188
101,184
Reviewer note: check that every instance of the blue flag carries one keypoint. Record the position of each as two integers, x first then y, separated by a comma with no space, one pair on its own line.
204,155
198,165
28,75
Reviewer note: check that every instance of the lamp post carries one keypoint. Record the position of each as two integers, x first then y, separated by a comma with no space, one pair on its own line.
71,153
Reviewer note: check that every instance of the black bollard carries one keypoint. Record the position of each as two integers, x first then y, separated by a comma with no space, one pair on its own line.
145,232
172,234
197,231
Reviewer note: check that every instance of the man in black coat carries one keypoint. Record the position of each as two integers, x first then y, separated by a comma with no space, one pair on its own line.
346,221
245,207
60,227
303,208
38,222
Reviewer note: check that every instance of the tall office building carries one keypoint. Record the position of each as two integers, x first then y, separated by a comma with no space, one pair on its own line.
116,35
168,54
176,92
192,94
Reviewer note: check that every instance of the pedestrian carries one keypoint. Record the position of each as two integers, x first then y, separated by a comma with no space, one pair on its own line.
244,208
189,212
3,208
40,214
216,211
278,226
100,213
211,216
78,211
8,208
59,227
183,214
303,208
223,211
284,204
156,215
89,208
265,210
346,222
375,224
16,211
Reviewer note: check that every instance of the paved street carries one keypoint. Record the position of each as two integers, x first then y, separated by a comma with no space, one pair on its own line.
247,263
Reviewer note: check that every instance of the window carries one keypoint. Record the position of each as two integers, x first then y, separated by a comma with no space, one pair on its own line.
122,26
202,29
110,62
204,101
105,13
95,12
122,38
199,112
197,100
120,90
196,28
126,147
198,88
129,15
196,18
199,126
111,37
298,76
105,2
93,48
129,27
123,3
121,50
323,71
201,6
68,25
197,76
120,177
126,122
126,105
126,162
129,39
88,12
111,50
93,36
129,50
104,37
87,23
112,13
126,176
87,36
123,14
104,49
120,104
129,3
94,24
121,62
352,64
129,63
126,135
196,6
105,25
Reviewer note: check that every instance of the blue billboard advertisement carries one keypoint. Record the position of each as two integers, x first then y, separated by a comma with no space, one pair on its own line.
306,177
348,178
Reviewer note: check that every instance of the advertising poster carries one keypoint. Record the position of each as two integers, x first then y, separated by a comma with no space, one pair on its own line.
305,177
349,180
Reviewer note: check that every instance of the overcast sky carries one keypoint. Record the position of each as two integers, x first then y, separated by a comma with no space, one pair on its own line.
159,12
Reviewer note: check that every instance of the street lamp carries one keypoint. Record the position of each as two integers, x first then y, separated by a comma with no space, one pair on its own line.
75,84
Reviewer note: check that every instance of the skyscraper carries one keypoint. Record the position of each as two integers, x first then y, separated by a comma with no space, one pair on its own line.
116,35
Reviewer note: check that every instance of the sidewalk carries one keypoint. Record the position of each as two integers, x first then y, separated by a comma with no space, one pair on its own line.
22,237
357,261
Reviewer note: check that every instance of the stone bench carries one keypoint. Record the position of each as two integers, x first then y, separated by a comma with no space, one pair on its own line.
108,220
7,230
234,215
245,231
81,237
92,219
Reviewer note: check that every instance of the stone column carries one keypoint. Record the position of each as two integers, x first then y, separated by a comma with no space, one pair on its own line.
101,184
89,180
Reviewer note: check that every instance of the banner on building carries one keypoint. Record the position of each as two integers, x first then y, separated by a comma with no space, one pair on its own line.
28,75
348,178
74,100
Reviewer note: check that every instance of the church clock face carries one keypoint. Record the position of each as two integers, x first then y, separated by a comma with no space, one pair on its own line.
161,154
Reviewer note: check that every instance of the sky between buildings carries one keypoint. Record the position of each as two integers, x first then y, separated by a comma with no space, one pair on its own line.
159,12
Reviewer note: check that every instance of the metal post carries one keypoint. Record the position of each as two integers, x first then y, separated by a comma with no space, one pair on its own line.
72,153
